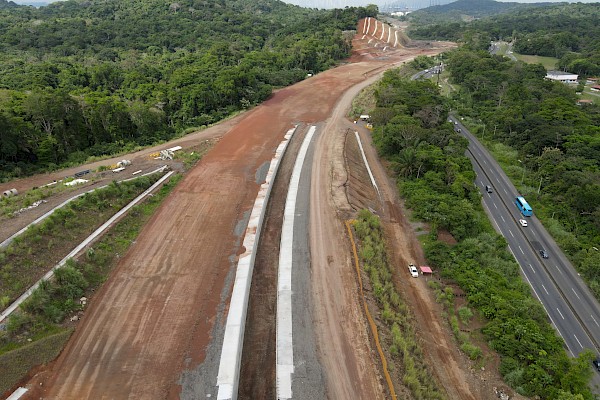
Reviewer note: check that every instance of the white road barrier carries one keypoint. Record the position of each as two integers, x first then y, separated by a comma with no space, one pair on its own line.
83,245
228,377
284,343
61,205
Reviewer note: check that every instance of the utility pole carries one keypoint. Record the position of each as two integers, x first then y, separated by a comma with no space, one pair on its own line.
523,175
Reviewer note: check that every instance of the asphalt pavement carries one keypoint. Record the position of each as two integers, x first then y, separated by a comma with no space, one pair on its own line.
571,307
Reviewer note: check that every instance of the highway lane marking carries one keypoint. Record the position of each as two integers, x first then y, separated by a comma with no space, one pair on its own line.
505,191
533,232
540,300
596,322
511,234
575,293
575,336
522,252
502,216
545,290
485,162
558,269
531,266
560,313
498,180
495,205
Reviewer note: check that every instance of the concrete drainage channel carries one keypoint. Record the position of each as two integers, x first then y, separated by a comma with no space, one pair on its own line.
231,354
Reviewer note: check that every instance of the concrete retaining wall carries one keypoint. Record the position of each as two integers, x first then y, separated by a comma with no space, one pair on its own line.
233,340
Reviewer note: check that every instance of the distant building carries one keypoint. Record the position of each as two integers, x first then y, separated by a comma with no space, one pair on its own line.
596,88
582,102
560,76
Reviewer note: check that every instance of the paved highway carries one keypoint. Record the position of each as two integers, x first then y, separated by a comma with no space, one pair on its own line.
573,310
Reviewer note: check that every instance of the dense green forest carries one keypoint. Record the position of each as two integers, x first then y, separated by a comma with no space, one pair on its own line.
436,179
90,78
557,140
570,32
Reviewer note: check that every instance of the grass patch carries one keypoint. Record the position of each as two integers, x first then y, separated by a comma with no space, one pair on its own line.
37,325
16,363
363,103
42,246
548,62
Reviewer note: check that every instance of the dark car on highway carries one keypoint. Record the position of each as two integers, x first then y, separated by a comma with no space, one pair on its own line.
543,253
596,363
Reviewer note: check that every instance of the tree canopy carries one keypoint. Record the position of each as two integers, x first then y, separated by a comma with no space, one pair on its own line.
88,78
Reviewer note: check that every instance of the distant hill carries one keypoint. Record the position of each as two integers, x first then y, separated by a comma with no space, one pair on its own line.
7,4
466,10
33,3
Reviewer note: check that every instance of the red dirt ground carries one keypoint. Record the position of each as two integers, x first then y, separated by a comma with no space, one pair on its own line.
159,305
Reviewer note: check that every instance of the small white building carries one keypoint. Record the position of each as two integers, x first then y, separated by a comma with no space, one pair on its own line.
561,76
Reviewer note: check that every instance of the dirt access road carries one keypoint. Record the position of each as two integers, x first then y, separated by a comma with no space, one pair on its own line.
157,321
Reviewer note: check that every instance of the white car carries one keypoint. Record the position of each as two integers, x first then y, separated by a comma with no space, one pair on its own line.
523,222
413,271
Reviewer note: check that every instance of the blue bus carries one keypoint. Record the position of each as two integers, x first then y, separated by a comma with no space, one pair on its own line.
523,206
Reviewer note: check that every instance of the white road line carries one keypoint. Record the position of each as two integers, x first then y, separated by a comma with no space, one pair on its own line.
578,340
540,300
560,313
284,343
81,246
522,252
558,269
575,293
596,322
545,290
533,232
498,180
495,205
505,191
511,234
502,216
531,266
485,162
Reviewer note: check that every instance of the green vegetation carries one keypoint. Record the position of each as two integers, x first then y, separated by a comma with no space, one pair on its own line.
404,348
42,246
16,363
464,10
557,164
40,318
89,78
436,179
565,31
548,62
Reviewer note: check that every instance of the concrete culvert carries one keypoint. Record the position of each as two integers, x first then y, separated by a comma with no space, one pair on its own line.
10,193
